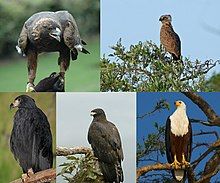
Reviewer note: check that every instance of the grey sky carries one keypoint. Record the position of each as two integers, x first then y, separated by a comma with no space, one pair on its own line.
138,20
73,120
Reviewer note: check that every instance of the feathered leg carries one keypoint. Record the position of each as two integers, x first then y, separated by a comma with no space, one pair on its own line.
32,69
64,62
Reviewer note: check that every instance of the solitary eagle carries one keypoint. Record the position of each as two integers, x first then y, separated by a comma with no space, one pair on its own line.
106,144
178,139
49,32
53,83
168,38
31,139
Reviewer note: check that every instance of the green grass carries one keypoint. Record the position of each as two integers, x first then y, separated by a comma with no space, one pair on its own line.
83,74
9,168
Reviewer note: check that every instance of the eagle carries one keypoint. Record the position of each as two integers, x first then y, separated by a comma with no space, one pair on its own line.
31,139
168,38
178,141
106,145
49,32
53,83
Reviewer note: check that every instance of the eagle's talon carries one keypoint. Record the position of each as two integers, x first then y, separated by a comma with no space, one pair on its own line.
24,177
176,164
30,172
30,87
185,163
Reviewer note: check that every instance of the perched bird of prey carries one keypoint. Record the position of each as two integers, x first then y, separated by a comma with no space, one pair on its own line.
31,139
53,83
168,38
178,140
49,32
106,144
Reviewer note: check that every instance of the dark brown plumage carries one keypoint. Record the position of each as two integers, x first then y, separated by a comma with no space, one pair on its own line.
106,144
49,32
168,38
53,83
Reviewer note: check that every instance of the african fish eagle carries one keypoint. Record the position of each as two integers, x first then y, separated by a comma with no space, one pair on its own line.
178,140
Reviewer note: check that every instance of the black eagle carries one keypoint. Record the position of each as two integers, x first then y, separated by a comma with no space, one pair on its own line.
49,32
106,144
31,139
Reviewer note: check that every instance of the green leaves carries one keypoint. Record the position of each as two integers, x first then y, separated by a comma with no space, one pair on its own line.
81,169
147,67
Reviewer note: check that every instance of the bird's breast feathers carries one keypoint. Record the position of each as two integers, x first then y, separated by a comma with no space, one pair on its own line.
179,123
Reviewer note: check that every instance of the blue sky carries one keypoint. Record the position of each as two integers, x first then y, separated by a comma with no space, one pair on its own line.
146,103
137,20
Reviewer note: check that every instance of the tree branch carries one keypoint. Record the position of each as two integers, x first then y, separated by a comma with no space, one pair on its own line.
213,118
64,151
214,146
42,176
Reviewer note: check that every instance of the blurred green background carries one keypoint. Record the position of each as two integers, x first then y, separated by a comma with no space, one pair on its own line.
83,74
9,168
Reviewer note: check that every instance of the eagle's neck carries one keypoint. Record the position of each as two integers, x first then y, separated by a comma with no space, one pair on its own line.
179,122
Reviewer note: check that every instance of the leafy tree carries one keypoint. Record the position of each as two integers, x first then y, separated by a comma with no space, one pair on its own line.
80,166
147,67
214,82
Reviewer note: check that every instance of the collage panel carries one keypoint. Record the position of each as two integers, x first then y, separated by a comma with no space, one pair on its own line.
49,46
78,132
28,134
159,46
177,137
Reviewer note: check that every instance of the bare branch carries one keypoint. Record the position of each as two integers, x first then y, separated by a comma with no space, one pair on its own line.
211,167
64,151
214,146
42,176
213,118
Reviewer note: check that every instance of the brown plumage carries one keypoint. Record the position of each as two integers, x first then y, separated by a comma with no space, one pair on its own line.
106,144
49,32
168,38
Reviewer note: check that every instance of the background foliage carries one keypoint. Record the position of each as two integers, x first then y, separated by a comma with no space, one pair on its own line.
147,67
9,168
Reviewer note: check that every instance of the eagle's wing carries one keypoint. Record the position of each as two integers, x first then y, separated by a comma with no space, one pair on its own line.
167,141
115,141
103,142
189,145
42,156
22,41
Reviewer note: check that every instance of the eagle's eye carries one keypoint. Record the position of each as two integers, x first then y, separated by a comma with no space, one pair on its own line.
19,100
180,102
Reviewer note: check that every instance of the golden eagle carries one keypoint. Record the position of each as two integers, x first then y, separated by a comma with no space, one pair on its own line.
49,32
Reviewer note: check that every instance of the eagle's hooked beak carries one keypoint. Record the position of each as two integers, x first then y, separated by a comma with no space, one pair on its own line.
14,104
55,33
177,103
92,113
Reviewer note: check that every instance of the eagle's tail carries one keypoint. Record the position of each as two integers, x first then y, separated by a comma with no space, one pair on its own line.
179,175
112,172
